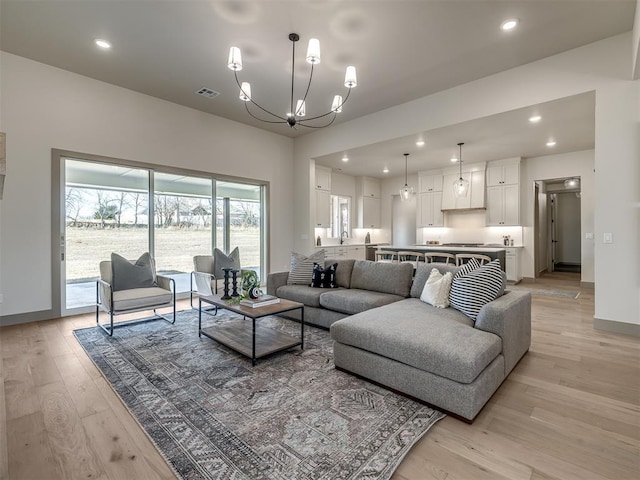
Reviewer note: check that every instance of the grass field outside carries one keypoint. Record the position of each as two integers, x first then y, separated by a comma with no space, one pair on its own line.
174,247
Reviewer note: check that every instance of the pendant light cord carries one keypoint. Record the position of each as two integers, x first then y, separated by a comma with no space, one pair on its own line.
406,158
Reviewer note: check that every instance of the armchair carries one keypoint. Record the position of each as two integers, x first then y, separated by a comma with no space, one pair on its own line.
161,292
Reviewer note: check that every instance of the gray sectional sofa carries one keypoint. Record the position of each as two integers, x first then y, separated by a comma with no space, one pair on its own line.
383,332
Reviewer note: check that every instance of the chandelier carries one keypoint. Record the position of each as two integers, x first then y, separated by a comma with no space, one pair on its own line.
295,116
406,191
461,185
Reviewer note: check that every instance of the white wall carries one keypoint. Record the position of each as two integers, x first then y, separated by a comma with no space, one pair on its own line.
604,67
574,164
44,107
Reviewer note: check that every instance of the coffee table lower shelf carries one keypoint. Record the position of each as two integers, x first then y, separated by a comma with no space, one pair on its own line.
238,336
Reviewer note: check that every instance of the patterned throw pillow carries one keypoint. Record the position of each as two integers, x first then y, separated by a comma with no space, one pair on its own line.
126,275
302,267
471,291
324,277
436,289
472,264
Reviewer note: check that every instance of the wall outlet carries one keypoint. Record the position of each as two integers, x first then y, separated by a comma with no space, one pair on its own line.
588,236
607,238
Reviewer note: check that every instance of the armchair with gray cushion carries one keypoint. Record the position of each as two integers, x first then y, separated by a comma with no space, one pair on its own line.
207,271
132,286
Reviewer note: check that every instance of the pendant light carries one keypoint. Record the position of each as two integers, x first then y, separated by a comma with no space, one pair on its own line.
406,191
460,186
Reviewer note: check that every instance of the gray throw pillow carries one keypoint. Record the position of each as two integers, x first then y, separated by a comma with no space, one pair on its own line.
220,261
302,267
126,275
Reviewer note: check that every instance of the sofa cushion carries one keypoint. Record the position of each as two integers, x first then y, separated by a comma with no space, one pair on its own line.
140,298
353,300
393,278
343,271
436,290
422,274
128,275
439,341
301,293
472,290
302,267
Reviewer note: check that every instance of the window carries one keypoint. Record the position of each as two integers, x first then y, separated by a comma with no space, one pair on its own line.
340,216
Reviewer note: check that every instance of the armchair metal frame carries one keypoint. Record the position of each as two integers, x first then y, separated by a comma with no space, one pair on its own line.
109,328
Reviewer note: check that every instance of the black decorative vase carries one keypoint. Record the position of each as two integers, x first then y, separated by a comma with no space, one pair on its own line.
226,295
234,274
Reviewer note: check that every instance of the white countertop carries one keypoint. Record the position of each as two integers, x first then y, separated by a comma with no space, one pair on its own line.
444,248
352,245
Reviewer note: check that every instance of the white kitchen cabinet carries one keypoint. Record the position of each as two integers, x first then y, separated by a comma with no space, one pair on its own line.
508,174
429,183
357,252
503,205
323,208
368,202
430,210
323,178
475,197
512,264
370,187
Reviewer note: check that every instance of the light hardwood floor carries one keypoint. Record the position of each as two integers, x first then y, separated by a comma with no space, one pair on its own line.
570,409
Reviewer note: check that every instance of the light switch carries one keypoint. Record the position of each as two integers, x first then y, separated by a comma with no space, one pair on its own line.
607,238
588,236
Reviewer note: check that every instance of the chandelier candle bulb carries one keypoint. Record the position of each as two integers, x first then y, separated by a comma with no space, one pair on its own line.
235,59
350,79
313,51
301,110
245,92
336,106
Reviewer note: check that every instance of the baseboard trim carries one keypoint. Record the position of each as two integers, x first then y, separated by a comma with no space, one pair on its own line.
19,318
612,326
587,284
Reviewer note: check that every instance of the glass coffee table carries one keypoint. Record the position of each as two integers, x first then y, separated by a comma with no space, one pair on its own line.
249,339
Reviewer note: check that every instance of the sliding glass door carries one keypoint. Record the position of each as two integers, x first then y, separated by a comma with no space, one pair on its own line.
131,208
106,210
182,224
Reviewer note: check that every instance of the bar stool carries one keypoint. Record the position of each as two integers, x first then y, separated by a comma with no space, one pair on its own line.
386,256
441,257
411,257
462,258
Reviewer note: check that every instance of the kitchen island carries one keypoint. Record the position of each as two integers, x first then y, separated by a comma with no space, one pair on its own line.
489,251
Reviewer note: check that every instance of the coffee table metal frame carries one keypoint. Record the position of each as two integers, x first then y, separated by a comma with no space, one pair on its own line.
217,334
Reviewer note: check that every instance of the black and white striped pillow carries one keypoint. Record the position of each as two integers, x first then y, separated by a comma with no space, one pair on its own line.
475,288
302,267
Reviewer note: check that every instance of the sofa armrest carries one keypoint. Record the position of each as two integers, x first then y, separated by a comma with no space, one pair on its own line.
276,280
509,317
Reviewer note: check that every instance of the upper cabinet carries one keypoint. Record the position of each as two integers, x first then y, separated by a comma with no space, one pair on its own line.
323,178
508,174
475,197
429,183
503,192
368,202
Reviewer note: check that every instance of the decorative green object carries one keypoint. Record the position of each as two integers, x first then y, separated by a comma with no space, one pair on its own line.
250,285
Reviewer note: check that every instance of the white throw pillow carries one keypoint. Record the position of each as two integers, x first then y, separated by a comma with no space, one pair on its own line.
436,290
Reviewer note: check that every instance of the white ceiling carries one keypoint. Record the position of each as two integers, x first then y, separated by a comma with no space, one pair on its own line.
569,121
403,50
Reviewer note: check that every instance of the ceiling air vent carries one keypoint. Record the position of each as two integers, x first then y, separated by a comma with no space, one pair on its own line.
207,92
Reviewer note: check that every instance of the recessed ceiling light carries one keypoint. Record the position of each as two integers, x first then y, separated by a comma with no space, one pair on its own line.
535,118
102,43
420,143
551,143
385,170
509,24
345,159
454,159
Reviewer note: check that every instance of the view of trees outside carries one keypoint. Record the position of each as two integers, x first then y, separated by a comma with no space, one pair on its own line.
99,222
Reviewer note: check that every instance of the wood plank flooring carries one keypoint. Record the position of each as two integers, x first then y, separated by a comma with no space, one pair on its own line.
570,409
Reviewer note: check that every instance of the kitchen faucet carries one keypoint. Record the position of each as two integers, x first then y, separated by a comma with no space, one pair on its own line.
343,235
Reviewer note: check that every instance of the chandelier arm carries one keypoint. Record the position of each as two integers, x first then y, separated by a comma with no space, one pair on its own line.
284,120
261,119
330,111
301,122
304,99
293,73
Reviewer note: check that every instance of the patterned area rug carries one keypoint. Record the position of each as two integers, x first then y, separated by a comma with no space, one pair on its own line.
545,292
292,416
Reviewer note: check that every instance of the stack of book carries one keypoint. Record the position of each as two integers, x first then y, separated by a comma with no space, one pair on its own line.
261,301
